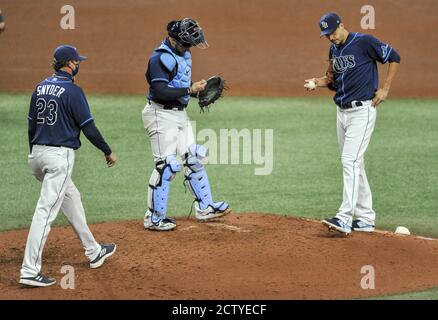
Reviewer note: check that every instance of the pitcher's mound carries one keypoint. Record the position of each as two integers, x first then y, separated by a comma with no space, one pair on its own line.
243,256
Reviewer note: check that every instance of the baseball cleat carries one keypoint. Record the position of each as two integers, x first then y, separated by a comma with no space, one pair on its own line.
162,225
222,209
166,224
38,281
361,226
147,221
106,251
337,224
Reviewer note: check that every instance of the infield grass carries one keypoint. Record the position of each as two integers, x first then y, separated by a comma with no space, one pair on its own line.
306,181
431,294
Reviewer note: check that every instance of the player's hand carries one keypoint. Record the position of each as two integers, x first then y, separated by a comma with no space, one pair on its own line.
111,160
319,82
310,84
380,96
198,86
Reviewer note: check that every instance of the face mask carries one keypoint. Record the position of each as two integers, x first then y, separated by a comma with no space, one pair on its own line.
75,71
180,49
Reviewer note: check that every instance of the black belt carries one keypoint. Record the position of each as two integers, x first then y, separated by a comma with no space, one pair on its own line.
351,104
170,106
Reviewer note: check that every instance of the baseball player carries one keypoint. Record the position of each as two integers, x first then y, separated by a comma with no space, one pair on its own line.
169,129
2,22
353,75
58,113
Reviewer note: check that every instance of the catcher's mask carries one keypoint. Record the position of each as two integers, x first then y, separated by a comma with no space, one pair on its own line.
188,33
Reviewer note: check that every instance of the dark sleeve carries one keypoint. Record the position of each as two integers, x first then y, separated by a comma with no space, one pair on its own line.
80,108
31,117
394,56
380,51
93,135
157,72
167,93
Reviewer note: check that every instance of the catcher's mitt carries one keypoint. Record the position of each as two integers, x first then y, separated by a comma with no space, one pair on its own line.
213,91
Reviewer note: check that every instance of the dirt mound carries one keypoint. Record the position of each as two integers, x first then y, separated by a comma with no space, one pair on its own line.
244,256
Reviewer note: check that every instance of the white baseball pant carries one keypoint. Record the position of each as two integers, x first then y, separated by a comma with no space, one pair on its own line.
170,131
53,166
355,127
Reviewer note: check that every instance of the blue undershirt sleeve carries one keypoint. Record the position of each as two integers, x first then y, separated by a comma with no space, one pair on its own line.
31,117
93,135
167,93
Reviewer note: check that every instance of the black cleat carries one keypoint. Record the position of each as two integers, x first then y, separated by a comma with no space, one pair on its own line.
38,281
337,224
106,252
359,225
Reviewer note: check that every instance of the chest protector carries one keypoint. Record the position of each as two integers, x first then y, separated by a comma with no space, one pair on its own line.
179,66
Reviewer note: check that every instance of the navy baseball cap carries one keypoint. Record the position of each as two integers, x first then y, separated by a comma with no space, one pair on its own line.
329,23
67,53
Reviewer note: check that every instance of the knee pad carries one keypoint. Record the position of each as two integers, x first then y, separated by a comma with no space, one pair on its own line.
159,186
168,168
193,158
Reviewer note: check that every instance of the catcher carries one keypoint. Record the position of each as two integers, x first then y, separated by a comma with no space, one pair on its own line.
168,125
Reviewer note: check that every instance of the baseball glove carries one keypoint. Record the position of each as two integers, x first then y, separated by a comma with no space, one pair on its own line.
213,91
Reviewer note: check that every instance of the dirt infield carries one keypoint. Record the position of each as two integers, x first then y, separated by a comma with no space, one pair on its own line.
245,256
263,48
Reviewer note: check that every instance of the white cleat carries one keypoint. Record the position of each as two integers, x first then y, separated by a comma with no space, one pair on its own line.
212,213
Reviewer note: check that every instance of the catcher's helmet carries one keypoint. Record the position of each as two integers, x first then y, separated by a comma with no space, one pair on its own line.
187,32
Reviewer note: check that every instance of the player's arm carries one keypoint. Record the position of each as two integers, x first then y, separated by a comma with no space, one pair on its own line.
324,81
32,124
161,70
93,135
383,53
383,92
166,93
193,94
327,81
85,121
